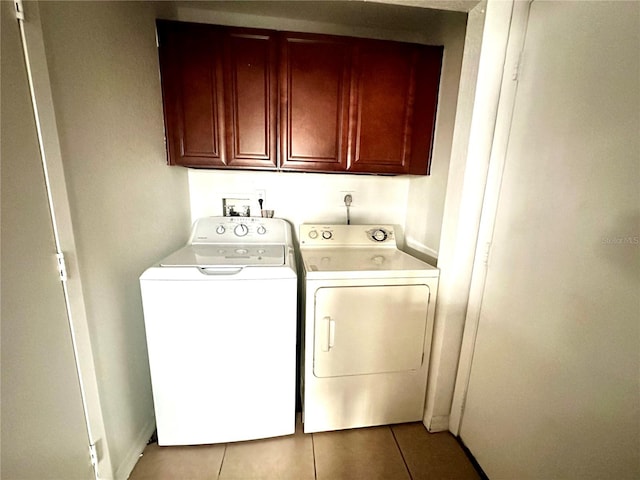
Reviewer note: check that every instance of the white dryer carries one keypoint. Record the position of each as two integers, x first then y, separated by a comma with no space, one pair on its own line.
220,319
369,310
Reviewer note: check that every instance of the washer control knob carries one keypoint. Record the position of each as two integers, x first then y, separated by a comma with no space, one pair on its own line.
241,230
379,235
261,230
313,234
327,235
220,230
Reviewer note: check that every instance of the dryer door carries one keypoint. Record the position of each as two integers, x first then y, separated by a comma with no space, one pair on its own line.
369,329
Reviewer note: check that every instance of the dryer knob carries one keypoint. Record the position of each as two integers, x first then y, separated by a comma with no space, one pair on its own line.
313,234
379,235
220,230
262,230
241,230
327,235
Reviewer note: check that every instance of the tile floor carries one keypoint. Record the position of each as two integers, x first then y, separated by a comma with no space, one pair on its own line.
405,451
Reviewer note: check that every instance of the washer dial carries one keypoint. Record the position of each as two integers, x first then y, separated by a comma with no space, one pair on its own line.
261,230
220,230
241,230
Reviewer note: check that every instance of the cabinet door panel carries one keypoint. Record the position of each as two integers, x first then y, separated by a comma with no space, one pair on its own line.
396,93
424,114
315,72
191,66
251,98
385,89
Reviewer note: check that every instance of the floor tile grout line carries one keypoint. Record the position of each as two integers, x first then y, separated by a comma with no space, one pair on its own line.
313,451
224,454
406,465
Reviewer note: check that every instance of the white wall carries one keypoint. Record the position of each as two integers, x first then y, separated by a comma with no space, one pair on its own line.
304,197
554,386
128,208
425,207
414,203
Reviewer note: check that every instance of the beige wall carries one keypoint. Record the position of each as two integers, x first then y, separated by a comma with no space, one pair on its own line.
554,386
128,208
473,132
43,431
426,196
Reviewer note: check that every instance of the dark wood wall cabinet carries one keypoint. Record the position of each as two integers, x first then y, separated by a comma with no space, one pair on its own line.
268,100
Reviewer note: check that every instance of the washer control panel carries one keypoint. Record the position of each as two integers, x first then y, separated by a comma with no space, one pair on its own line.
347,235
216,230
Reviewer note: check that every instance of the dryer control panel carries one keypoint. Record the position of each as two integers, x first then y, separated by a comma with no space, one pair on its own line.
320,235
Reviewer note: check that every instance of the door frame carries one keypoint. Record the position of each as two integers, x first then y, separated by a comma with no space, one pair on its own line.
59,206
499,144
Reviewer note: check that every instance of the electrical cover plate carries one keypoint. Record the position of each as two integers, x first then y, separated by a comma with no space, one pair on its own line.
236,207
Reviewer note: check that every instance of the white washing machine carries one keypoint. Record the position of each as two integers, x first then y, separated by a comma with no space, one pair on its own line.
369,310
220,319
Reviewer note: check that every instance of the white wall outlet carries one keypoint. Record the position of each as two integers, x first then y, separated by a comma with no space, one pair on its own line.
261,195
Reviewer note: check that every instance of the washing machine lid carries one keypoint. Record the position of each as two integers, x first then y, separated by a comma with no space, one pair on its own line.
363,263
224,255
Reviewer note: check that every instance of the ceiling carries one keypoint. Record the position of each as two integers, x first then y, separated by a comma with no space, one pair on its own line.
411,14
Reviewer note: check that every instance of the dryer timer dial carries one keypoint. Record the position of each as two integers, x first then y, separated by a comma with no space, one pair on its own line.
379,235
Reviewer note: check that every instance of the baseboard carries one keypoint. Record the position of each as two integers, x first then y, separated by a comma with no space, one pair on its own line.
138,446
472,459
437,424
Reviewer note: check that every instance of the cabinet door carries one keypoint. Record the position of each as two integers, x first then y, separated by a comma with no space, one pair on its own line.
191,68
251,95
395,93
314,96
